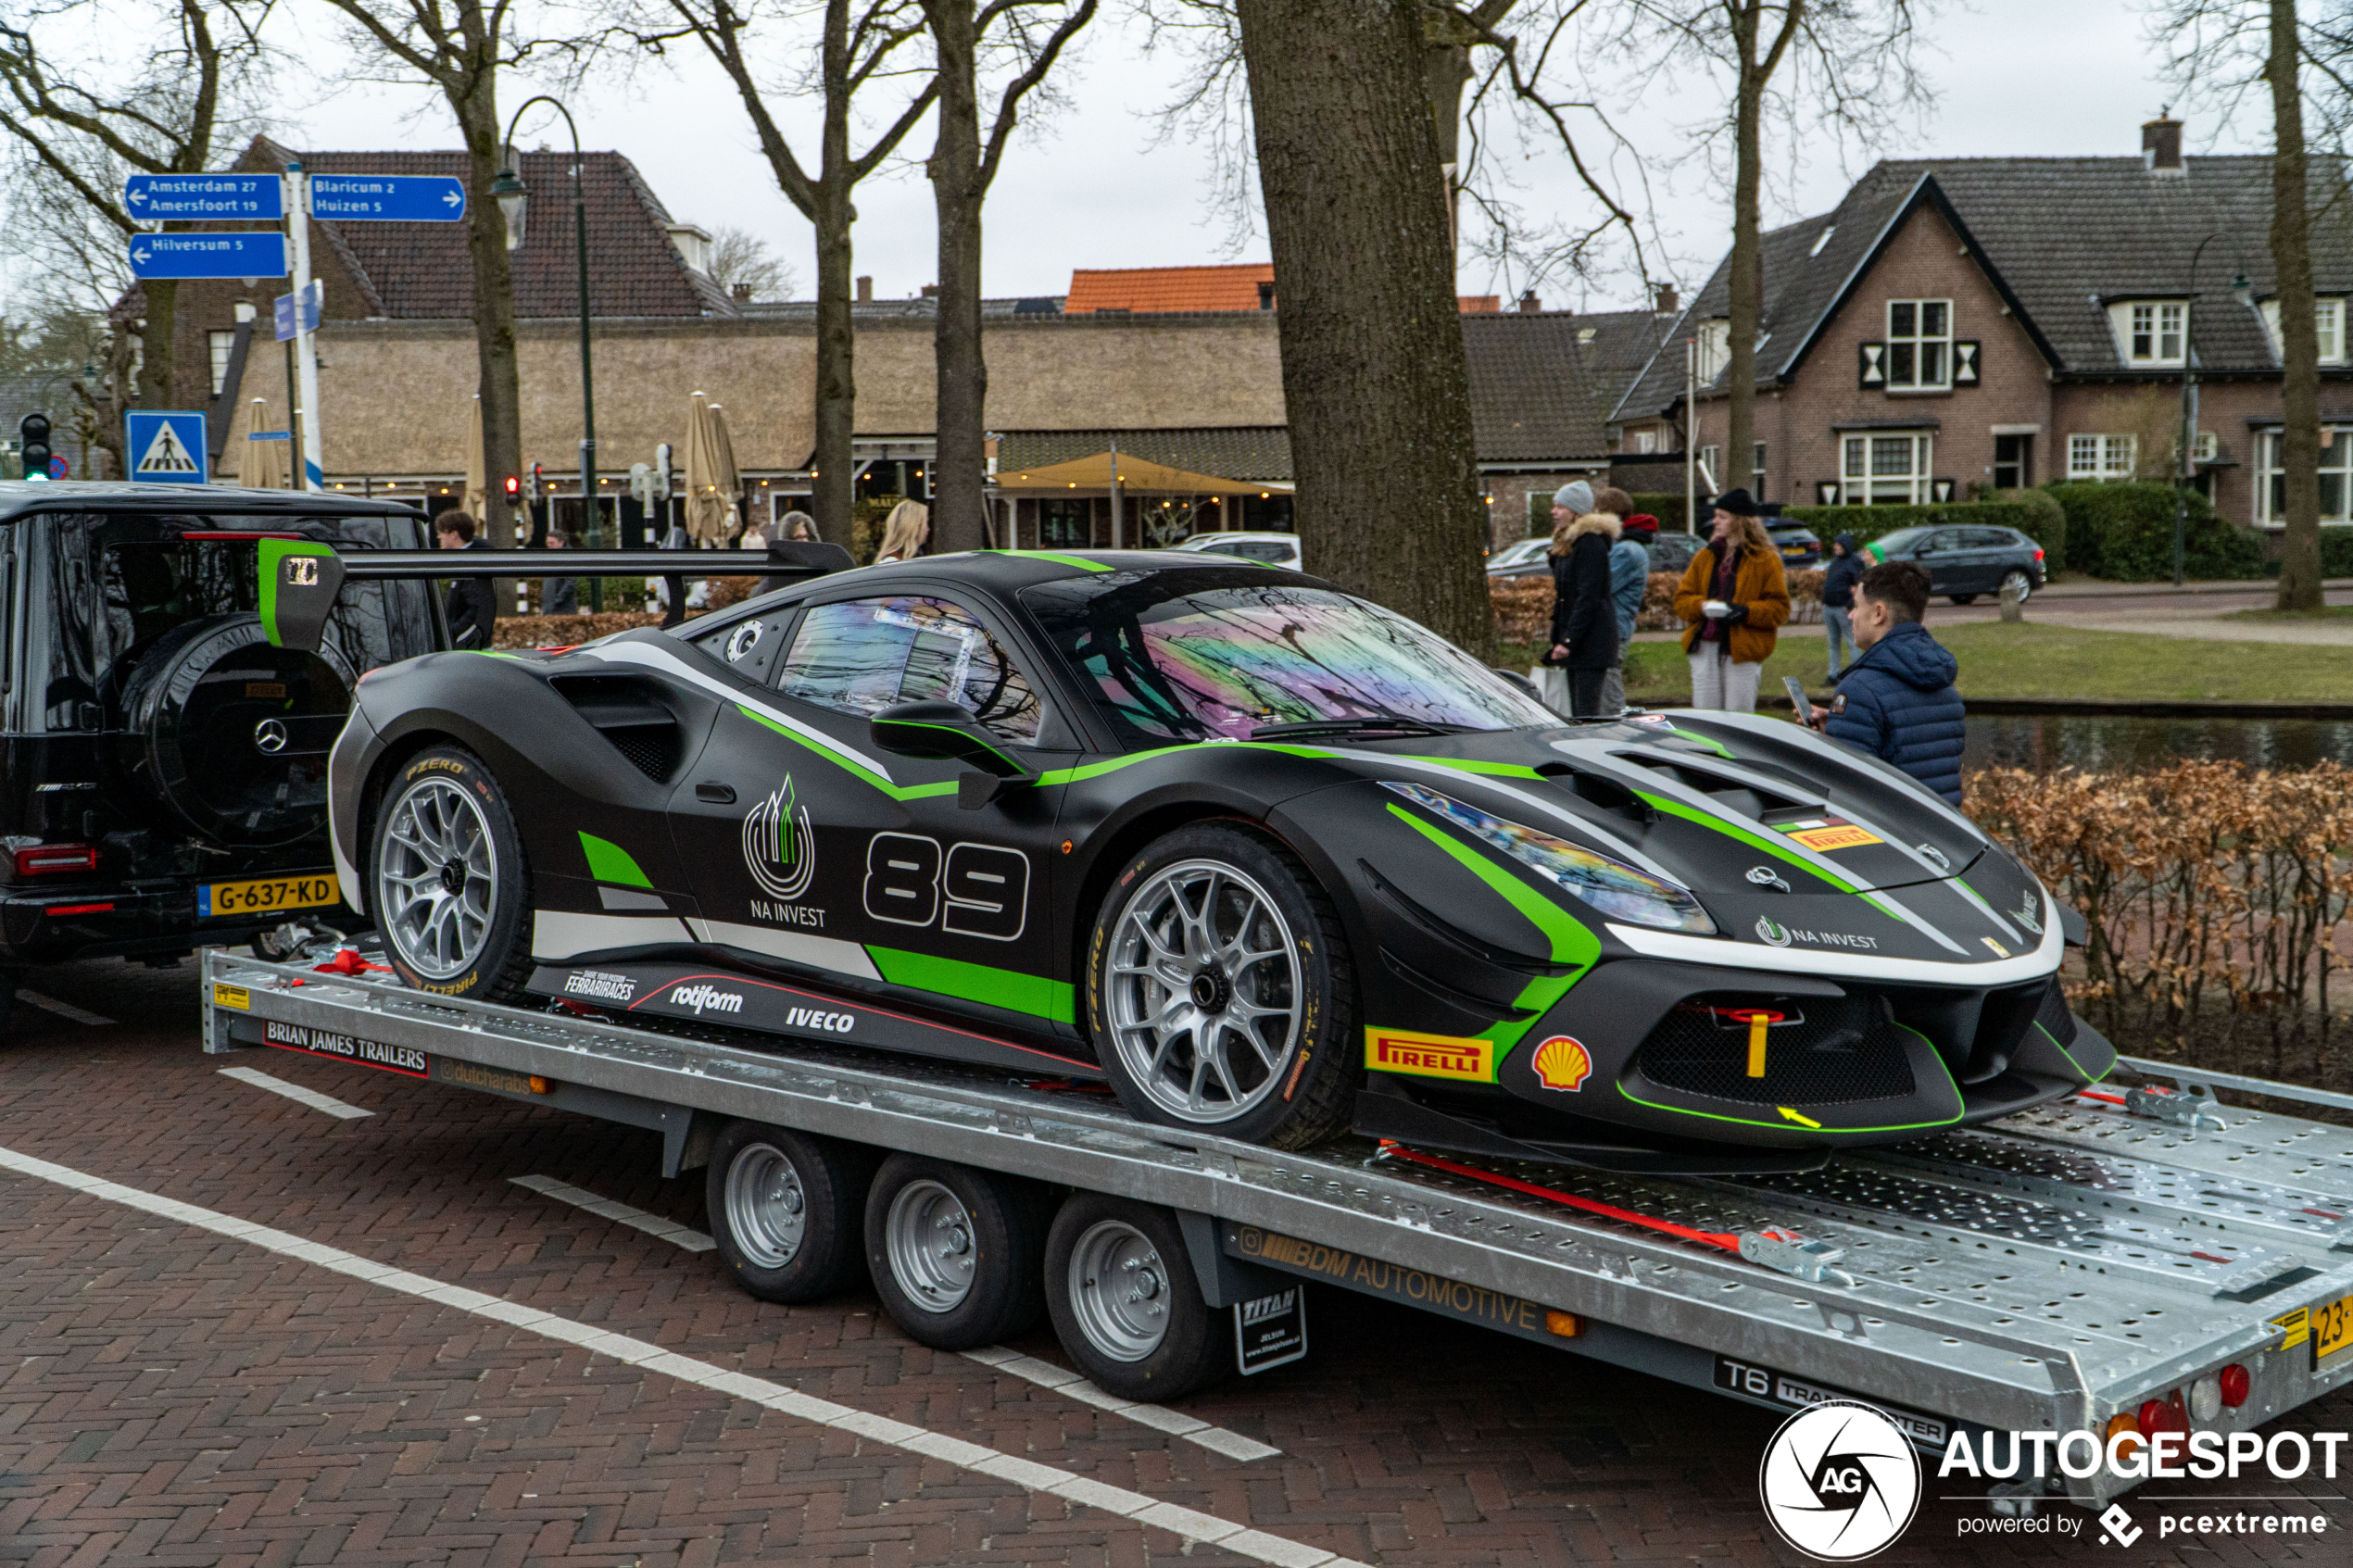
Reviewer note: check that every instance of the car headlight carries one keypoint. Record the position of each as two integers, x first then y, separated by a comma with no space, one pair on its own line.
1612,886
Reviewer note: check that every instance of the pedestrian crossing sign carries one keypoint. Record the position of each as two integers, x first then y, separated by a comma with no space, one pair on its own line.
166,449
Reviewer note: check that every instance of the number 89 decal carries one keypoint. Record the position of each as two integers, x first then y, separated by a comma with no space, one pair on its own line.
974,890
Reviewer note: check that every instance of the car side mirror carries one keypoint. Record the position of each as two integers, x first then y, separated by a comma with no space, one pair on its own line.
949,732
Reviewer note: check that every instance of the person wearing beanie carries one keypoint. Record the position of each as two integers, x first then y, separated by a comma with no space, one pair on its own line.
1576,498
1584,622
1732,600
1630,580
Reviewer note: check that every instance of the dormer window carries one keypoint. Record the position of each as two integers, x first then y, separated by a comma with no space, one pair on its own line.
1919,344
2328,318
1714,350
2151,333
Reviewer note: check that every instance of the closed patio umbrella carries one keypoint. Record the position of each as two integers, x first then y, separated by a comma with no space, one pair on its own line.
265,464
711,476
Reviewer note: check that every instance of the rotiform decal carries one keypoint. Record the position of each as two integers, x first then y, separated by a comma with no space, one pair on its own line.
1840,1482
779,850
706,996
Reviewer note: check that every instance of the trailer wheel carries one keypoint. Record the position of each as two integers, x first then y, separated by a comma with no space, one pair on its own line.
955,1251
785,1209
1126,1305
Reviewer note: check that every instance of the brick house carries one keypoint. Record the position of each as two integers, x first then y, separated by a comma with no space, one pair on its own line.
1962,324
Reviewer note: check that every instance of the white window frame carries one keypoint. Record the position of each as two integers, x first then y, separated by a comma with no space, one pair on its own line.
2151,333
1708,467
2337,463
2102,459
1931,352
1756,470
220,346
1862,452
2328,318
1715,350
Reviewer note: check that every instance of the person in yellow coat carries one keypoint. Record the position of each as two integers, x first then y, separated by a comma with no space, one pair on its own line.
1733,599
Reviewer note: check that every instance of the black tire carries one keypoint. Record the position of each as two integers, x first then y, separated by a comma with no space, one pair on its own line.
1309,1089
1104,1327
1962,598
957,1254
787,1211
450,782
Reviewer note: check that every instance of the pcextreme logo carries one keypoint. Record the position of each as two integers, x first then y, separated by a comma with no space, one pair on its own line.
779,850
1840,1482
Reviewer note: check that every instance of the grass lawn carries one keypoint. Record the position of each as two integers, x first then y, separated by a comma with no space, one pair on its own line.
2033,661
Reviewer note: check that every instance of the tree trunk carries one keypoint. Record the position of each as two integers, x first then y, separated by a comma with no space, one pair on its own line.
2299,336
498,383
1747,278
155,390
960,465
1378,399
837,382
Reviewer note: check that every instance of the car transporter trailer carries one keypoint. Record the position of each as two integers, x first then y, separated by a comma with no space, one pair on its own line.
2127,1259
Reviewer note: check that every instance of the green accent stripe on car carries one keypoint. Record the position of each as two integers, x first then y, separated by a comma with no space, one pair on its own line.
608,862
272,552
1960,1107
1081,562
2089,1078
1572,942
1032,994
862,774
1757,841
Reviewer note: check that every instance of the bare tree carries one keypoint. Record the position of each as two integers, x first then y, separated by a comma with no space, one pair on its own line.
963,163
1372,343
857,45
741,258
80,129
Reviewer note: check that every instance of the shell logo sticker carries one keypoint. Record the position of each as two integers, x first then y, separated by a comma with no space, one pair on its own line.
1562,1063
1430,1056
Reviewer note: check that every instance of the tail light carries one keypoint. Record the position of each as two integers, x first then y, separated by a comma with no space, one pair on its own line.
2168,1414
2038,557
2235,1384
2122,1425
2206,1398
47,860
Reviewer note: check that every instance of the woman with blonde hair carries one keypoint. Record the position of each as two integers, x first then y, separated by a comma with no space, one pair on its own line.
904,531
1733,598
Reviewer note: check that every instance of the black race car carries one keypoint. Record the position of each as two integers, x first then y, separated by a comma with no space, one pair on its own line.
1267,858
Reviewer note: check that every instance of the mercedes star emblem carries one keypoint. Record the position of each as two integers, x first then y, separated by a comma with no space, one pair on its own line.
270,736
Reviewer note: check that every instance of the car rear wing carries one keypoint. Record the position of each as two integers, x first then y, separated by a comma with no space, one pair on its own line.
300,578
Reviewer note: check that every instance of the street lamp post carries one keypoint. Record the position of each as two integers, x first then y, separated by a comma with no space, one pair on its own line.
2185,467
513,196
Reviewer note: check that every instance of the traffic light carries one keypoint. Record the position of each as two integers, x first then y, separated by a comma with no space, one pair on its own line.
515,490
538,481
33,440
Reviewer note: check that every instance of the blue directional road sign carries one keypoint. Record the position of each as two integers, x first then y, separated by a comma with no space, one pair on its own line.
313,299
257,197
208,255
387,198
166,449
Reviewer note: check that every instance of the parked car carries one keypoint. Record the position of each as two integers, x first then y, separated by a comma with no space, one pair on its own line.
1521,557
163,778
1801,548
1964,562
1274,549
1673,552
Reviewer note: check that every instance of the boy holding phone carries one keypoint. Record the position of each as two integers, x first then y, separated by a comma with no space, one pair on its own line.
1896,701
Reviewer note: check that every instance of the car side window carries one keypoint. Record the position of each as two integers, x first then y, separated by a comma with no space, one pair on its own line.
748,646
865,655
1944,539
1991,539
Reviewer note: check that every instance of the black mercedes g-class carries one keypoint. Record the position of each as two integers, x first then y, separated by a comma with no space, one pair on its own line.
165,774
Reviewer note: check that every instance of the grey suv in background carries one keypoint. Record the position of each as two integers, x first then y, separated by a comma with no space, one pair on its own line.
1963,562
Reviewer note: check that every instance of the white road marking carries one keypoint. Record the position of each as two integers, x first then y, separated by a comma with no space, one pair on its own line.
64,1010
620,1213
1239,1539
296,1092
1061,1380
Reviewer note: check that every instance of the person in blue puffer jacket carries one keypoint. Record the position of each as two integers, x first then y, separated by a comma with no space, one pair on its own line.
1898,700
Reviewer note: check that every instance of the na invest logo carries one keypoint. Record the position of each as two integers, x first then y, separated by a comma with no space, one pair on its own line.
1840,1482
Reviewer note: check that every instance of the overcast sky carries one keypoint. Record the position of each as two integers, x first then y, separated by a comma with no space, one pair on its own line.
1094,186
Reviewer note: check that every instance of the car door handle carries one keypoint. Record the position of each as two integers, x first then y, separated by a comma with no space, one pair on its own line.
717,793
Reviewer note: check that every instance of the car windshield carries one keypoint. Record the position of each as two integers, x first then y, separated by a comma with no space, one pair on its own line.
1902,539
1194,654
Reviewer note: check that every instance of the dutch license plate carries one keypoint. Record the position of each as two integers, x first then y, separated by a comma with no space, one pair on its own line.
2332,1327
262,895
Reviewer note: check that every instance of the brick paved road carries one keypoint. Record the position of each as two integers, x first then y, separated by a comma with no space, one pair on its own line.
169,1396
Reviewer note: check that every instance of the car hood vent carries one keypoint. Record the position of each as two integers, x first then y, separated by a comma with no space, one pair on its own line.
628,711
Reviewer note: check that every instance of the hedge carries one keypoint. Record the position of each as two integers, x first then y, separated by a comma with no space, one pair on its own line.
2337,552
2124,533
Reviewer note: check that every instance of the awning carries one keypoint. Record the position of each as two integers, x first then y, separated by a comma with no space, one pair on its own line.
1136,476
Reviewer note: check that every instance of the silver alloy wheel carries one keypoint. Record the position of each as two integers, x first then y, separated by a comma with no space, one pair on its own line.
437,879
1119,1291
767,1211
928,1239
1205,984
2022,581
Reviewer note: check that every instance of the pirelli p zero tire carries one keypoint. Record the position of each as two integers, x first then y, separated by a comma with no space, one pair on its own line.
446,880
1126,1307
956,1253
1220,993
787,1211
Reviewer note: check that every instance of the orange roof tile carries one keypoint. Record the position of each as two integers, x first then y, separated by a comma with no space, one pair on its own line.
1168,288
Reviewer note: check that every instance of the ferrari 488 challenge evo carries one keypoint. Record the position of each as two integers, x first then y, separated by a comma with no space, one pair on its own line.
1267,857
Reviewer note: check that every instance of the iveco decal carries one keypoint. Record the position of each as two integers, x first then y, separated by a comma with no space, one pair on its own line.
778,847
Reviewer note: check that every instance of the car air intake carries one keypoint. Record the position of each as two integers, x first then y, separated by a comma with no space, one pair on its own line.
625,711
1814,1050
2057,1019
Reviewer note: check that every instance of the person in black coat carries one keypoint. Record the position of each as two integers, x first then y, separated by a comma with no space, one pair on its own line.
1839,578
472,606
1584,615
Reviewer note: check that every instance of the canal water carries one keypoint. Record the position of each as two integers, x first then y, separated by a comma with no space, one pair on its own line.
2103,743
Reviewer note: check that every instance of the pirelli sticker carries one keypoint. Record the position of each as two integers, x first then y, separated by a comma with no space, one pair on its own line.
1825,833
1430,1056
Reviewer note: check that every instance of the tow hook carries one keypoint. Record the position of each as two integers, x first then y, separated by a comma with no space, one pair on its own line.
1788,1253
2191,1108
